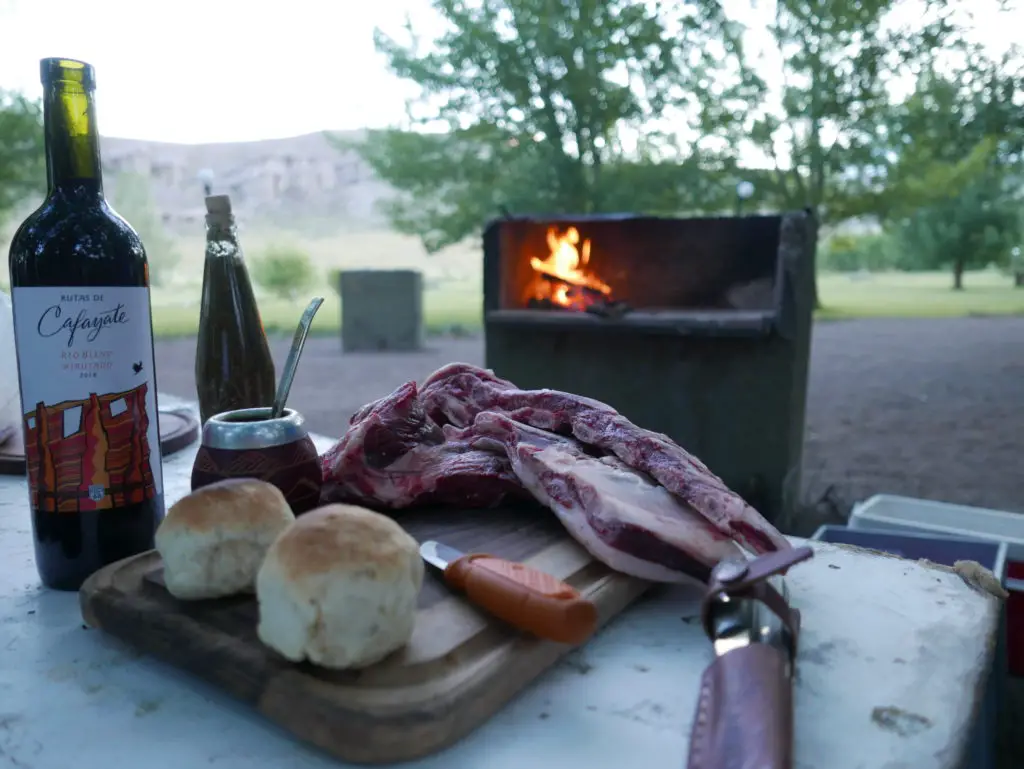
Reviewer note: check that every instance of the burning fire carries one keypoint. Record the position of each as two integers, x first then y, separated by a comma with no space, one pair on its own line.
562,278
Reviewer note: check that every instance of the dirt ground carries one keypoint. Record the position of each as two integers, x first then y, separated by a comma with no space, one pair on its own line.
926,408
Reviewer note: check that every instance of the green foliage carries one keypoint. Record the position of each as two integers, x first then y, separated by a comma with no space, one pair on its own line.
841,147
974,228
953,194
839,58
22,162
528,102
851,253
977,228
285,271
694,185
953,131
132,198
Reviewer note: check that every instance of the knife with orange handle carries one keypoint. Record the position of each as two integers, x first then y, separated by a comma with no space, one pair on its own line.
522,596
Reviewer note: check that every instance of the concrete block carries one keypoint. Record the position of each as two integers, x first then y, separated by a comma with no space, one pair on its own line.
381,310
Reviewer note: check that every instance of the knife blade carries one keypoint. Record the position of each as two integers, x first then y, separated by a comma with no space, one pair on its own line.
739,623
527,598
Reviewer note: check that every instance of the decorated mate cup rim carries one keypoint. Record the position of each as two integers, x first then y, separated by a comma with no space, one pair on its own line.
248,429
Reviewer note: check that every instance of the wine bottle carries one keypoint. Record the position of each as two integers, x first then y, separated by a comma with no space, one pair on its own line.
234,368
84,341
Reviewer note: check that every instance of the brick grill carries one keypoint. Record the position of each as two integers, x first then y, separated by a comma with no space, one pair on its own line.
713,350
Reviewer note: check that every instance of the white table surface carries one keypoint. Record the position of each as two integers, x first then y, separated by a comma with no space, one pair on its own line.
879,632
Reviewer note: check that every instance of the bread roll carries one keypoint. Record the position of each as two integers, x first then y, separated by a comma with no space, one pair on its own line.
213,541
339,588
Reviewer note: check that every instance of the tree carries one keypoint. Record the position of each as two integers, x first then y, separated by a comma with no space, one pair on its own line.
976,228
284,270
530,102
953,192
953,189
839,61
132,198
955,127
22,163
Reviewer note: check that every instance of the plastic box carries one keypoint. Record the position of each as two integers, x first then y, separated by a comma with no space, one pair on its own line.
887,511
914,545
947,550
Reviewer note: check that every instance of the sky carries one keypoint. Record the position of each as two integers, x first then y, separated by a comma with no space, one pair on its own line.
216,70
236,70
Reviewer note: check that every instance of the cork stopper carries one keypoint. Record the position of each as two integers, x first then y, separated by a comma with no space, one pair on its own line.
218,210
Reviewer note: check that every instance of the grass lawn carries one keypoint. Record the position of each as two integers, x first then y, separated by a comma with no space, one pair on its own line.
918,295
449,308
452,281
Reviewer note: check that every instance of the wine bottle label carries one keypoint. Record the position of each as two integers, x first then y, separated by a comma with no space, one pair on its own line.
88,396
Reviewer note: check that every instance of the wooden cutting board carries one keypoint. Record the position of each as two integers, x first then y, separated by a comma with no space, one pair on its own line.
460,667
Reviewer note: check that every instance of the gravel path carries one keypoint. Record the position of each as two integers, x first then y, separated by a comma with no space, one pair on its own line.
927,408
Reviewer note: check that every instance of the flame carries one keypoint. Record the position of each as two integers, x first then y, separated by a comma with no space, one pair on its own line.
566,279
564,261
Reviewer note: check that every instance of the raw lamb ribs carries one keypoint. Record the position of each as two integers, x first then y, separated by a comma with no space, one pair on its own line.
394,456
634,499
456,393
621,517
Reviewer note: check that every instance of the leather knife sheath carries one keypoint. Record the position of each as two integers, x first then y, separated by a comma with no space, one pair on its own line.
744,716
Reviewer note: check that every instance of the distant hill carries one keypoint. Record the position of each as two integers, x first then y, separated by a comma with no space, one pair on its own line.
302,182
